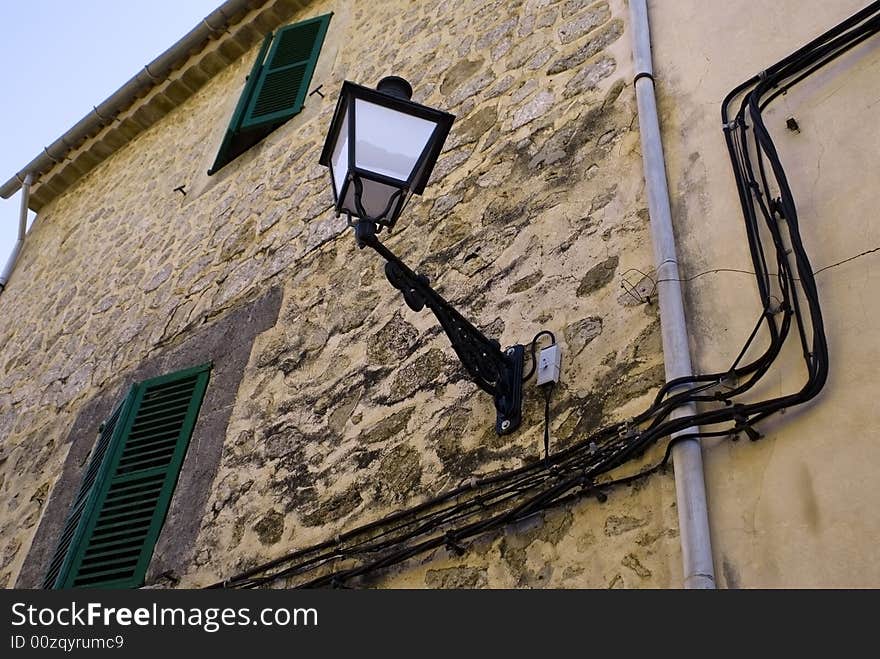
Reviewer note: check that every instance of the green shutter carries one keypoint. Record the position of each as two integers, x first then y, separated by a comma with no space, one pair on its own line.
276,88
234,125
121,519
285,77
84,500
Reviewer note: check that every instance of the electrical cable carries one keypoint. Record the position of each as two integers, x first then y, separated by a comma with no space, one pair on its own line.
547,388
533,347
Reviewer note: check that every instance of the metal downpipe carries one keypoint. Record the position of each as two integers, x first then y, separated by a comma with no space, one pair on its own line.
690,489
22,230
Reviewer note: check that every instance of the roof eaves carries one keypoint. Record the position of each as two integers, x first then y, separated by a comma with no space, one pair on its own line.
136,105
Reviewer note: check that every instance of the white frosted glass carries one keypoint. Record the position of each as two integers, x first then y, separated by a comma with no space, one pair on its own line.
387,141
340,156
374,199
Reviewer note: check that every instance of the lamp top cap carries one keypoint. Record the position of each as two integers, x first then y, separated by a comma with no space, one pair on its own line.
395,86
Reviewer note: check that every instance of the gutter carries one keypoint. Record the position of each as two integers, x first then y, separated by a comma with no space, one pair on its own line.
690,488
104,114
22,230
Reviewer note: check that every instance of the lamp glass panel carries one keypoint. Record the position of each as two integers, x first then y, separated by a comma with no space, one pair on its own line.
340,155
387,141
374,198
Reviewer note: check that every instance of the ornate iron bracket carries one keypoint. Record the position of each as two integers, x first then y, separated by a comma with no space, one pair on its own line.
498,373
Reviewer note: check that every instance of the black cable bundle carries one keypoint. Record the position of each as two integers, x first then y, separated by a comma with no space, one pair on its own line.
788,296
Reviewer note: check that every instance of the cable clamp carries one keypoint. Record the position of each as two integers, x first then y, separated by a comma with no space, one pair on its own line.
776,207
743,424
643,74
451,542
727,382
554,468
590,487
627,431
773,309
731,125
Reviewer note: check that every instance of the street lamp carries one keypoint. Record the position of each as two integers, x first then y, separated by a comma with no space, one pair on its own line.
381,149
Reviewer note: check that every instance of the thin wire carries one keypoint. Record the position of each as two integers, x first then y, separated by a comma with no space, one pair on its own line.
533,345
548,392
713,271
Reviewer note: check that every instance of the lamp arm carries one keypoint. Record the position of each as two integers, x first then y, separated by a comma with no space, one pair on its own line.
498,373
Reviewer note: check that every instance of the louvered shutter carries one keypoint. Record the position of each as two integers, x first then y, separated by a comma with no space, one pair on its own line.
235,124
132,492
286,74
57,565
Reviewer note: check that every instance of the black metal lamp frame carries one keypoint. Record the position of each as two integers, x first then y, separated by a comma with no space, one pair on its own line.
498,373
392,93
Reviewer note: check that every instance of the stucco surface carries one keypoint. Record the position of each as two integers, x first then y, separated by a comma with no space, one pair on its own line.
797,508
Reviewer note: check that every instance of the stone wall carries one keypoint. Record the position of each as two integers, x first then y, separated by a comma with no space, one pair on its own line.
352,406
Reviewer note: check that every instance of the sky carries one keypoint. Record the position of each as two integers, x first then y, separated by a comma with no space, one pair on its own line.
62,57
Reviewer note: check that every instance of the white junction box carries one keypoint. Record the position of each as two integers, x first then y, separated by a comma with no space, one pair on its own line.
549,364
